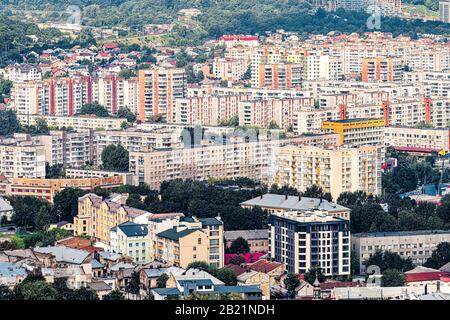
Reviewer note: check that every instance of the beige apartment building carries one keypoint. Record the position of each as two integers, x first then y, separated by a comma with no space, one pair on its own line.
158,90
208,110
191,240
20,158
334,169
75,122
428,138
235,159
230,69
96,216
416,245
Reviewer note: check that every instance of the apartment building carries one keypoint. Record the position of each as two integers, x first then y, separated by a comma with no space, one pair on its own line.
234,159
20,158
80,122
135,139
192,240
23,72
382,70
266,113
77,173
280,75
357,131
254,93
131,239
66,96
416,245
230,69
305,239
208,110
444,11
115,93
47,188
427,138
158,89
334,169
278,203
70,149
96,216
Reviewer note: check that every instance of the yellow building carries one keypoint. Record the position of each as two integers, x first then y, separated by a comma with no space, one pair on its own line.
97,216
357,131
334,169
192,240
48,188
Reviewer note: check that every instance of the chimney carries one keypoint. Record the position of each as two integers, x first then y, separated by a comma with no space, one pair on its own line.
261,196
299,197
286,196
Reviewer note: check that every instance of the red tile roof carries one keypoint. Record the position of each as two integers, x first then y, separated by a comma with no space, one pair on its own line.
424,276
337,284
264,266
238,270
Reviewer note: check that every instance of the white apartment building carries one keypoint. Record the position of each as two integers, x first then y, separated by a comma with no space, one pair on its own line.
417,245
335,169
22,73
21,159
428,138
208,110
308,238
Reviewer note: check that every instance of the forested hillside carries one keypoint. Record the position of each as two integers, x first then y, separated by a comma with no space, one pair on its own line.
219,17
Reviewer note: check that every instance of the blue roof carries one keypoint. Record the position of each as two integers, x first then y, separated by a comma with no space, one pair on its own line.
10,270
238,289
399,233
167,291
96,264
211,222
132,229
172,234
196,282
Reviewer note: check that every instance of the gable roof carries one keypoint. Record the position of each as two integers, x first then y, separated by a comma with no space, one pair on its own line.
173,234
132,229
65,254
424,276
296,203
247,234
211,222
5,206
264,266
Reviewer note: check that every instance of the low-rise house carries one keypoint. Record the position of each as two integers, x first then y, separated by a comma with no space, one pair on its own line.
6,210
72,264
98,269
258,240
148,277
100,287
61,225
11,274
258,279
187,287
131,239
426,278
275,270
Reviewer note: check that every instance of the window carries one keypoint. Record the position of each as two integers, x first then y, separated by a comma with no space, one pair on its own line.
199,241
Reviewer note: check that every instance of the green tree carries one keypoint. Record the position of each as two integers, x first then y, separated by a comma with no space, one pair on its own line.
227,276
42,219
439,257
389,260
127,73
114,295
291,282
38,290
126,113
53,171
316,192
239,245
94,108
310,275
202,265
133,284
9,124
5,293
115,158
392,278
162,281
65,203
